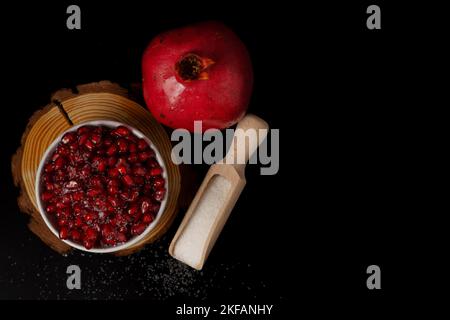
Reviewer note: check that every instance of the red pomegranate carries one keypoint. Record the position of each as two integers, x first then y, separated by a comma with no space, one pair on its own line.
199,72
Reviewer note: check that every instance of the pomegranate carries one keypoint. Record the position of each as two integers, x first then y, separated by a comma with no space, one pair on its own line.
91,191
199,72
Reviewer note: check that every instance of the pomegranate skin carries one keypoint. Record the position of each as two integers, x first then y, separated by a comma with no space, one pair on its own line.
217,93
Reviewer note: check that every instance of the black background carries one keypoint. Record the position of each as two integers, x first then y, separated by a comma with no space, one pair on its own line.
340,95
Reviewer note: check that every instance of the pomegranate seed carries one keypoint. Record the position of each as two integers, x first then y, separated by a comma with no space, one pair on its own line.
133,210
92,192
121,162
142,144
68,138
128,180
133,158
155,171
90,216
113,173
83,130
107,142
139,181
112,150
152,163
49,186
122,170
114,201
139,171
48,168
145,205
85,171
78,222
89,145
88,244
63,233
121,237
132,148
51,208
107,231
121,131
55,156
147,218
75,235
159,194
62,150
159,182
46,196
96,138
137,229
97,181
113,189
145,155
61,205
123,145
82,139
73,147
112,161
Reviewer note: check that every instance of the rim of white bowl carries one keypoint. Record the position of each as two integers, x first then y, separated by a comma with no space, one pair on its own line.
38,187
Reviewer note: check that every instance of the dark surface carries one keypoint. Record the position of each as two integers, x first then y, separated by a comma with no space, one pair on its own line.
334,89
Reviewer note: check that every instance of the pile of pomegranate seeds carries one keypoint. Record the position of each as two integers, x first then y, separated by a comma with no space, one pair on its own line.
102,186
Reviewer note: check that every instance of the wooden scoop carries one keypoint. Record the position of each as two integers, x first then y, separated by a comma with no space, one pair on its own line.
217,196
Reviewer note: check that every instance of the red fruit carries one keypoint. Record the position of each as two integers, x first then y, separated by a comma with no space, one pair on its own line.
96,138
75,235
133,158
111,161
159,194
128,180
112,150
83,130
155,171
145,205
139,171
46,196
138,181
123,145
142,144
121,131
78,222
158,182
199,72
121,237
48,168
132,148
91,234
138,229
133,210
145,155
113,173
88,244
122,170
51,208
68,138
64,233
82,139
147,218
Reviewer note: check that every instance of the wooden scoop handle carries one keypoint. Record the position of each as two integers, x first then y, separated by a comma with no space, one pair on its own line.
249,134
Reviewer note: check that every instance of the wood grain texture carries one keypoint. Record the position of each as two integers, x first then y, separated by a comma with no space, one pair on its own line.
96,101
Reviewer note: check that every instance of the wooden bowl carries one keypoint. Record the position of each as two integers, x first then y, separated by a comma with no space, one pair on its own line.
97,101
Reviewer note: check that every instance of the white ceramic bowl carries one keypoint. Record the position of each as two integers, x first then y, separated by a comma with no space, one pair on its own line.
50,224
